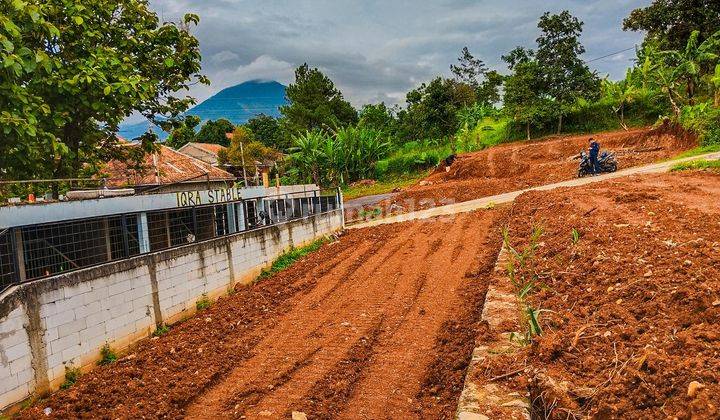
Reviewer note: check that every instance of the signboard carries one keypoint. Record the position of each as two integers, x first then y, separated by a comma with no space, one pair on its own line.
216,196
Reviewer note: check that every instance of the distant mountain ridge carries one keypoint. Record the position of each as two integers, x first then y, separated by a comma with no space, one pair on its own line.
237,104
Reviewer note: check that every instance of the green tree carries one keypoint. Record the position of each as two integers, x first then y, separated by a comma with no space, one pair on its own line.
488,93
524,100
378,117
432,109
215,131
267,131
620,94
678,73
567,77
27,146
670,23
315,103
518,55
95,63
245,150
184,133
472,72
469,70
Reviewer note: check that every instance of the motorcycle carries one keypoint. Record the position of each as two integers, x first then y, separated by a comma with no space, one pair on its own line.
606,162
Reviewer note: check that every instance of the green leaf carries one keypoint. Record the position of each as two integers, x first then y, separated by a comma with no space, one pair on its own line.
107,90
8,45
169,62
78,20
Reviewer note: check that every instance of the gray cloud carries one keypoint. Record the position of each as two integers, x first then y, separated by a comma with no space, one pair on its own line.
377,50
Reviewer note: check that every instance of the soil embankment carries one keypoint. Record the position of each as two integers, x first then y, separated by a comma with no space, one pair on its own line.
629,308
517,166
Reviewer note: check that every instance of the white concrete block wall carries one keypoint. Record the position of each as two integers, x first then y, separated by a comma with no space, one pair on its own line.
82,311
16,372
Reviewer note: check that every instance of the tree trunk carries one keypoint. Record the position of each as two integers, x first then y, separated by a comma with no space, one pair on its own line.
691,91
676,108
560,124
717,98
622,117
527,130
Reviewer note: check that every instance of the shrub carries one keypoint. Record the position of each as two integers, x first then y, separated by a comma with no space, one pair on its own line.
203,302
107,355
72,374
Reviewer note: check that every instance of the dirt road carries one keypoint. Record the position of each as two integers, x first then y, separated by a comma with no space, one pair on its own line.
521,165
377,325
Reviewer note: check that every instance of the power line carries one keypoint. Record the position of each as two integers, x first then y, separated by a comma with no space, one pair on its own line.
611,54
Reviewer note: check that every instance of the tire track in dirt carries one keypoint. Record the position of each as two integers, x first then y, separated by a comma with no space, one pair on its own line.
361,299
285,343
389,387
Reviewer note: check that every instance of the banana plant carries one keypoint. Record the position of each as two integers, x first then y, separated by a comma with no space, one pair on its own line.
620,94
686,66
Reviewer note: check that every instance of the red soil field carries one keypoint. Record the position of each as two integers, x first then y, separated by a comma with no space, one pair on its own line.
630,312
379,324
520,165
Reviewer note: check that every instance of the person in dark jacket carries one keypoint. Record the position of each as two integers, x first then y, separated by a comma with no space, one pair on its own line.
593,152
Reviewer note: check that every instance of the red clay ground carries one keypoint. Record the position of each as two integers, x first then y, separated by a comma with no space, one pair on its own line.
517,166
377,325
631,312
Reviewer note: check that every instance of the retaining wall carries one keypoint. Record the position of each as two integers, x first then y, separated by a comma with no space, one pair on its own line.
57,322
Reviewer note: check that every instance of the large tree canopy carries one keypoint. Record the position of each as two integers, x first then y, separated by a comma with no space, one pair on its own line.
267,131
432,109
671,22
567,77
215,131
73,70
315,103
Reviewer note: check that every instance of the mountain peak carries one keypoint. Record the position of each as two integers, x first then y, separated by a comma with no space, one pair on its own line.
237,103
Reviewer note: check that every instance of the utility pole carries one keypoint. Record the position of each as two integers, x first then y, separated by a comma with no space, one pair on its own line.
242,158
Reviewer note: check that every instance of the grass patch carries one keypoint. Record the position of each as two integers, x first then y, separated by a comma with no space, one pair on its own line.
108,355
161,330
203,302
700,150
384,185
287,259
72,374
697,164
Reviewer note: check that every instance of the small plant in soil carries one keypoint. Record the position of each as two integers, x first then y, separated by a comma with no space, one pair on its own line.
71,376
107,355
203,302
161,330
516,267
575,236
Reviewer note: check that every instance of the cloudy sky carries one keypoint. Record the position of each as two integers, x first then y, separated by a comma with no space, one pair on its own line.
377,50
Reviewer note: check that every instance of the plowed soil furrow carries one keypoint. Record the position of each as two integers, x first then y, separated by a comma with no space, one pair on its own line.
382,310
394,378
318,318
351,331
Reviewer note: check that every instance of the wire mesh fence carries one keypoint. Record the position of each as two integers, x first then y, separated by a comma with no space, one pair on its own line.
37,251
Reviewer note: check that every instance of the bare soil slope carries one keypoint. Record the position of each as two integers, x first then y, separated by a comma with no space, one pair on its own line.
516,166
630,312
380,324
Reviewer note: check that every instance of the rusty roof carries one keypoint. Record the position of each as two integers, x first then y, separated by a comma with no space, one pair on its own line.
211,148
167,166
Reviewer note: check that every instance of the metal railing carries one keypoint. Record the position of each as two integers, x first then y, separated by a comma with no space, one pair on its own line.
43,250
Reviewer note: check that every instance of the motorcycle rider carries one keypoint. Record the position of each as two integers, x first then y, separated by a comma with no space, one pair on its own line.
593,152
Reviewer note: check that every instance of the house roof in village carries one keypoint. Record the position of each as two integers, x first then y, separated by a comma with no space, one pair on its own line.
210,148
166,166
